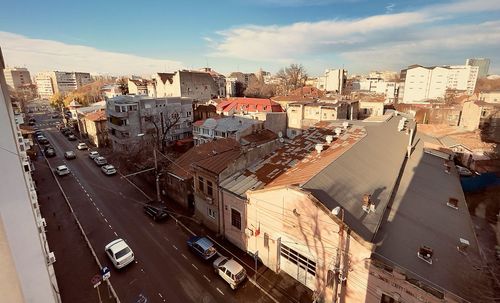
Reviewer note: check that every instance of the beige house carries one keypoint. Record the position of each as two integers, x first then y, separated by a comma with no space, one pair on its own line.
325,214
96,128
137,87
490,97
303,115
198,85
482,115
369,108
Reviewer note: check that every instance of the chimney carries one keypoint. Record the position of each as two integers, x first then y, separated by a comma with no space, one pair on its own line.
329,139
319,148
345,125
452,202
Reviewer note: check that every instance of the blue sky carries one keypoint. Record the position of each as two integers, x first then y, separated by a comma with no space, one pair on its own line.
139,37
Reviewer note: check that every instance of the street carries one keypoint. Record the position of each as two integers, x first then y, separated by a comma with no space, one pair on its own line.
109,207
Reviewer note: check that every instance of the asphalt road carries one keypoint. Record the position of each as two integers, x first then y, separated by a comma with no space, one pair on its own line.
109,207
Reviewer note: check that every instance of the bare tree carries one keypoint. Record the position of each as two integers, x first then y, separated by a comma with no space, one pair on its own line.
123,85
163,123
291,78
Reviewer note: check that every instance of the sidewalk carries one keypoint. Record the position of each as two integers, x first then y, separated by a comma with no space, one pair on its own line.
280,286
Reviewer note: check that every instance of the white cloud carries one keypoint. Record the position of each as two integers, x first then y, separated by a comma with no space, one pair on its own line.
400,38
40,55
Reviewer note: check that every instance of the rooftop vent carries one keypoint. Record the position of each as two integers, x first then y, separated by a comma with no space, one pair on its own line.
329,139
319,148
425,253
338,131
345,125
452,202
368,206
463,245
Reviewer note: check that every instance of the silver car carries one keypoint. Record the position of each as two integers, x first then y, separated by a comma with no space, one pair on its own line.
108,169
100,160
62,170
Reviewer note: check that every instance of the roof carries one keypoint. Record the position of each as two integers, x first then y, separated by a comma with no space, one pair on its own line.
233,266
182,166
419,209
204,243
117,245
296,155
370,166
308,91
292,98
217,162
249,105
166,76
259,137
74,103
227,124
96,116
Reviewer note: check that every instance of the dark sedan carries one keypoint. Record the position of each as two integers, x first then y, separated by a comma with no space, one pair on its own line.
157,213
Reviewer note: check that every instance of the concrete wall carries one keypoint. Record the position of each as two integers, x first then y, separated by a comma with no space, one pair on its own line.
471,115
205,203
490,97
276,122
232,233
368,109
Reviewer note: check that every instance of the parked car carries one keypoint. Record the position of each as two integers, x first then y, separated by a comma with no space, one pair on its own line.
62,170
70,155
158,213
38,133
202,246
108,169
50,152
231,271
72,137
42,140
64,129
463,171
119,253
55,116
82,146
93,154
100,160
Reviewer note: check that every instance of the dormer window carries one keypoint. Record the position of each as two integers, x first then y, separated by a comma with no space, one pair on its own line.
463,245
452,202
425,253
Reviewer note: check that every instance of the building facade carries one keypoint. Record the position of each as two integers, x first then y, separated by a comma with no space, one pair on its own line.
50,83
197,85
424,83
224,127
334,80
483,65
17,77
304,115
130,116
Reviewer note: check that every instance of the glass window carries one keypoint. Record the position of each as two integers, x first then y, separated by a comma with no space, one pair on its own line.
212,213
209,188
201,184
236,218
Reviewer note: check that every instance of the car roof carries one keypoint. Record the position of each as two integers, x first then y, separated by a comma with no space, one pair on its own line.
108,166
233,266
116,245
62,167
70,152
101,157
94,152
204,243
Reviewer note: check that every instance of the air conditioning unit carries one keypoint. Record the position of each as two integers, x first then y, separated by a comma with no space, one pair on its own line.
51,258
43,222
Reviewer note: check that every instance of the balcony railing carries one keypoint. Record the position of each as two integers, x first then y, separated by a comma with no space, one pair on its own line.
112,112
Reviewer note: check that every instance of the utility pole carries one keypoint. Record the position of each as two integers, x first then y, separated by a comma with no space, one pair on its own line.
338,260
157,174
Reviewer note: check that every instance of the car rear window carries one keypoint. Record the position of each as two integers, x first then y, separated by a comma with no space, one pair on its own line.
122,253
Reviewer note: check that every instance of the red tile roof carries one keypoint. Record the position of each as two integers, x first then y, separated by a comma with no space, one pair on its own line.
96,116
249,105
259,137
308,91
182,167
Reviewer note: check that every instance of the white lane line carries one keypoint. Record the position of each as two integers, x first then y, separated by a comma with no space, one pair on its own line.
166,239
116,234
184,256
206,278
110,226
220,290
151,224
160,295
90,198
106,220
98,209
175,247
93,203
194,266
87,194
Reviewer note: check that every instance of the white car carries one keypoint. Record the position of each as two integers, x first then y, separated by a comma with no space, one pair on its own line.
100,160
62,170
119,253
93,155
82,146
230,270
108,169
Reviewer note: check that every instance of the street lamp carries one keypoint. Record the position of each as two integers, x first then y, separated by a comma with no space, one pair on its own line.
158,198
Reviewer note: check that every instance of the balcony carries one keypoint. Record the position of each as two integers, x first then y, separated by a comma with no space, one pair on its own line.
122,128
112,112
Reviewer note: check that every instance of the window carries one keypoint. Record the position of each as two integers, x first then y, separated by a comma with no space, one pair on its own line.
209,188
235,218
266,240
212,213
201,184
296,258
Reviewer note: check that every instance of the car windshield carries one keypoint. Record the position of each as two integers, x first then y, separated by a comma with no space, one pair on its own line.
240,275
122,253
223,262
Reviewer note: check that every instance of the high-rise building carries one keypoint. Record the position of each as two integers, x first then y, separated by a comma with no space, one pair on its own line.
52,82
425,83
333,81
17,77
482,63
27,272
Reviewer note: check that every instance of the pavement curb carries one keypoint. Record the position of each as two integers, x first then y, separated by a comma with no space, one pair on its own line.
80,227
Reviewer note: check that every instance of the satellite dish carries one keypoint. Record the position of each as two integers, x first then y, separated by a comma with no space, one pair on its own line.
280,134
336,211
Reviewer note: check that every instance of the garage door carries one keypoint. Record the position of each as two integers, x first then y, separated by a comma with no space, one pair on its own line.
298,266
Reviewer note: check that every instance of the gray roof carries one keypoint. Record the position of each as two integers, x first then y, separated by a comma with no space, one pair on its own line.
239,184
371,166
419,215
229,123
448,141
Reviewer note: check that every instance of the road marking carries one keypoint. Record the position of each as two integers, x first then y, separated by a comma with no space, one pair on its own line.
88,195
132,281
106,220
220,290
194,266
184,256
175,247
93,203
116,234
206,278
90,198
160,295
166,239
98,209
110,226
151,224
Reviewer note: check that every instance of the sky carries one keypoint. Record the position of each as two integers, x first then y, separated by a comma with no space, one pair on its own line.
142,37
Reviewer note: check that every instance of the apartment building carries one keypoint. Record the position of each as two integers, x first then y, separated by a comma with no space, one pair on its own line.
138,87
49,83
197,85
425,83
484,116
128,116
334,81
27,273
301,116
483,65
219,79
17,77
319,210
492,96
377,83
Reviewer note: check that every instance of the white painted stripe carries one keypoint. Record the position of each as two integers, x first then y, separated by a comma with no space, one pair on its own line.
116,234
175,247
194,266
110,226
160,295
166,239
98,209
106,220
220,290
206,278
184,256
